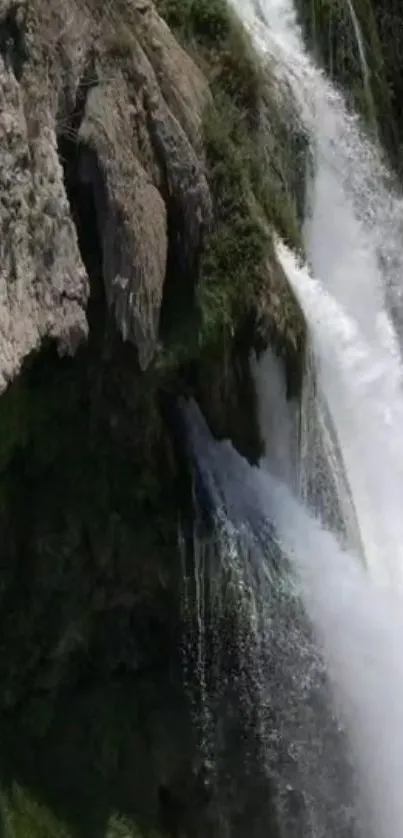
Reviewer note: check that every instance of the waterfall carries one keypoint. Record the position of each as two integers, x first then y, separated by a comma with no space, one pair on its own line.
359,629
323,484
305,754
352,234
354,223
278,418
362,387
316,529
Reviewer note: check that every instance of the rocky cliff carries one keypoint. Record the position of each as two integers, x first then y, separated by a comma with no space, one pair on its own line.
145,159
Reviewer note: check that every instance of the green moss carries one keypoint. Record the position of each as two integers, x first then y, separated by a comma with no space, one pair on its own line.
236,247
119,827
255,155
206,21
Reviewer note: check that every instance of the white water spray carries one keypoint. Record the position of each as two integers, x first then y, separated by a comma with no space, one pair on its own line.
353,233
361,632
361,384
358,625
355,219
352,236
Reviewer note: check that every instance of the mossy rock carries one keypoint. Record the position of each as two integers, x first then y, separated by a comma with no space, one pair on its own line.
256,153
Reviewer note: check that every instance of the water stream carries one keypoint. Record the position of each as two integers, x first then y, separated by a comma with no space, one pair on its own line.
354,221
353,233
318,527
356,644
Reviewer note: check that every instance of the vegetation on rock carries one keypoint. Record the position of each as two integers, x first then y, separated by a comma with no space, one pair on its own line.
255,155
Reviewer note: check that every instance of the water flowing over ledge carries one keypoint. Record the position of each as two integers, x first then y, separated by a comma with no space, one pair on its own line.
351,296
357,624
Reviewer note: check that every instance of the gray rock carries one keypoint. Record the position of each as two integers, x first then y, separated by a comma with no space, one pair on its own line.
121,86
43,282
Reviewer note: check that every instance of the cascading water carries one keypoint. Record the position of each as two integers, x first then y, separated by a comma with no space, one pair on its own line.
309,775
278,418
366,404
353,231
350,476
355,220
359,628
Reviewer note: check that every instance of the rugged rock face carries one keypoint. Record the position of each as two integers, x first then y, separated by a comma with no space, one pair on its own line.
137,201
43,285
79,77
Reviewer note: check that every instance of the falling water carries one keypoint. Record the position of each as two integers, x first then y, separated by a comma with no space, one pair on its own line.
361,631
366,402
323,483
354,414
309,773
358,626
355,220
353,231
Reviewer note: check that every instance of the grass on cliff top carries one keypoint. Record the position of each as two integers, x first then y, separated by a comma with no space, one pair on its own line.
217,40
252,175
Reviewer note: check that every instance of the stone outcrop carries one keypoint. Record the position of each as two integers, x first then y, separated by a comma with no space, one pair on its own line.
43,282
128,108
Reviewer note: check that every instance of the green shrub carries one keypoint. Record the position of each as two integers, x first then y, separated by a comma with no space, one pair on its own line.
235,248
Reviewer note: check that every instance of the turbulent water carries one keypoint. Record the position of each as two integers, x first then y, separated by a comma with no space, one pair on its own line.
316,532
353,232
354,218
362,388
358,628
306,759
